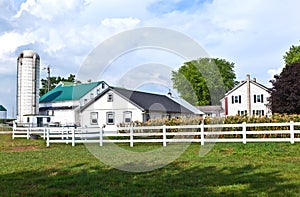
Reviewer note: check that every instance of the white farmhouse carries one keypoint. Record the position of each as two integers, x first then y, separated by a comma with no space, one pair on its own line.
247,98
116,106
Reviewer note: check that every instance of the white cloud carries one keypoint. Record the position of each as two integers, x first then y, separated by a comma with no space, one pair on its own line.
49,9
26,6
275,71
120,23
12,40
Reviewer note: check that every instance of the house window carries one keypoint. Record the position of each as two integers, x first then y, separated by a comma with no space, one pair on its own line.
85,101
258,98
236,99
91,95
103,85
94,118
242,113
127,116
110,98
110,118
259,112
98,91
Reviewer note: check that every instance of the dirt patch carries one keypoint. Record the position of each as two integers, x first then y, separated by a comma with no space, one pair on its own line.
229,150
22,148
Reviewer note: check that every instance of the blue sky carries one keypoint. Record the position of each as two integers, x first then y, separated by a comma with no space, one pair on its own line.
253,34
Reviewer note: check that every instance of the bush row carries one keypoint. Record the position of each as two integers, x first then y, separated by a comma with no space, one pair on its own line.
276,118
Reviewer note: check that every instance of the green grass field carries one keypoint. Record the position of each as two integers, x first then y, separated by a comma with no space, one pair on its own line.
29,168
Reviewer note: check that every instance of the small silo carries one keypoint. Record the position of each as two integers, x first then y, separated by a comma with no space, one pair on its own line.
28,78
3,112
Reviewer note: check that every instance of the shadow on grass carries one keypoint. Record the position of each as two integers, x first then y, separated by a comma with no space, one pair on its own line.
85,180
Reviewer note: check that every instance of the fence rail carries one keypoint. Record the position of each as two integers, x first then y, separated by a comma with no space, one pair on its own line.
165,134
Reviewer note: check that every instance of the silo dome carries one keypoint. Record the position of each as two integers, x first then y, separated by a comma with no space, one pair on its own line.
29,54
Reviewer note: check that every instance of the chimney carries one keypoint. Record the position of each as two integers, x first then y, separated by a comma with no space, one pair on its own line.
248,95
170,93
254,79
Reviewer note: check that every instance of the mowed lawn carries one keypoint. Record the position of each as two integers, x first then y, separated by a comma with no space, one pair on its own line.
29,168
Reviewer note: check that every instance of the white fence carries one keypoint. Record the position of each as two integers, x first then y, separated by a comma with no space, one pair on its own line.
162,134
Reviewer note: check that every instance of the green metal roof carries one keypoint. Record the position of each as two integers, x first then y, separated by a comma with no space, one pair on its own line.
67,92
2,108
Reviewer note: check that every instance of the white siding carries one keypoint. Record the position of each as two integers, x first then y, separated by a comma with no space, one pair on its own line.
119,105
241,106
93,93
64,117
3,114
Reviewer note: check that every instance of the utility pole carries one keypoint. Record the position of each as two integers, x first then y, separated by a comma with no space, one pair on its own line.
48,71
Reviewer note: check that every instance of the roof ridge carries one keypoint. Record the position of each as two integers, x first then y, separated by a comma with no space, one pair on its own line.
138,91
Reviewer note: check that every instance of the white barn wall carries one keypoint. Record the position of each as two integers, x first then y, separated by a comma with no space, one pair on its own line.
64,117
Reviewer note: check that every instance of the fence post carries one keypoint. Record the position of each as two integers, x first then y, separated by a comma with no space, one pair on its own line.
101,136
67,135
27,133
164,135
244,133
202,133
62,133
14,129
44,133
48,137
292,132
131,136
73,137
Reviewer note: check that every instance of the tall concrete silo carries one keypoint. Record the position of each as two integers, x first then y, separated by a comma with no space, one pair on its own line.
28,79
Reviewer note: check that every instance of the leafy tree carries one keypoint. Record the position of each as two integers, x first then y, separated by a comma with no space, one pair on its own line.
53,83
285,95
204,81
293,55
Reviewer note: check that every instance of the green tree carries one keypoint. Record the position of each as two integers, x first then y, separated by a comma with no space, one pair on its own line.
53,83
292,56
204,81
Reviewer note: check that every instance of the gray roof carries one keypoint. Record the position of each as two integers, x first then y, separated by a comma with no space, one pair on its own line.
212,108
152,102
146,101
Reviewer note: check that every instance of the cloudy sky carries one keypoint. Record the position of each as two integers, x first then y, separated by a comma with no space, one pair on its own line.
254,34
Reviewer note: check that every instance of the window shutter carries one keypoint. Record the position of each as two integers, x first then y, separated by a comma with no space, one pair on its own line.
240,98
253,112
232,99
254,98
262,98
263,112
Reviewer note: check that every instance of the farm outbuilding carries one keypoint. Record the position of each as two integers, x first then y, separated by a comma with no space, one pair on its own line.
3,112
